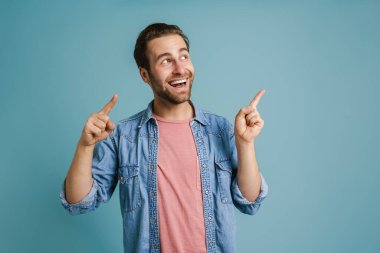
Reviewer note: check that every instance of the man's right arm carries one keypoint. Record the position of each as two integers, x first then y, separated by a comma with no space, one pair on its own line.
79,180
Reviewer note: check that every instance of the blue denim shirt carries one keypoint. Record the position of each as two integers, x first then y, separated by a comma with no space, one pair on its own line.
129,156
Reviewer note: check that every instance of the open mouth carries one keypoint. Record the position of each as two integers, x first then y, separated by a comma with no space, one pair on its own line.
178,83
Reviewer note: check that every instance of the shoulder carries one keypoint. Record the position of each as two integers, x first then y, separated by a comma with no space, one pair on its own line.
215,122
132,119
126,126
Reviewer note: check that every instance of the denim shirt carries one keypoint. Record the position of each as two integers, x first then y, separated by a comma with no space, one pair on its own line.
129,156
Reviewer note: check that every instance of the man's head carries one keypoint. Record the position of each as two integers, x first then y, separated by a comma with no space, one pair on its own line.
151,32
162,55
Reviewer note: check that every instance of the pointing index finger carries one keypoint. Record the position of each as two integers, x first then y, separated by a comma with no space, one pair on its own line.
255,101
108,107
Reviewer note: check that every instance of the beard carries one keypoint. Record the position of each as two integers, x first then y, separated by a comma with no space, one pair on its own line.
167,95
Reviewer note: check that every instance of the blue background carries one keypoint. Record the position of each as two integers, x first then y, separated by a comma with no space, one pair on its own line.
318,61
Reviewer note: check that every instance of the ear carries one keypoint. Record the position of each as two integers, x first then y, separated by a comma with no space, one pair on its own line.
144,75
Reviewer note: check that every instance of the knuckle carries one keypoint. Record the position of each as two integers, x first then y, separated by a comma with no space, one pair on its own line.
99,115
103,117
91,118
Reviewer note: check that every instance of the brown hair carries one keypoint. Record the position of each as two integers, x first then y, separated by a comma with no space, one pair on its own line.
151,32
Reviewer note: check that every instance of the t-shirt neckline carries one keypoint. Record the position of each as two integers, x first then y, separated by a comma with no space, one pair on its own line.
161,119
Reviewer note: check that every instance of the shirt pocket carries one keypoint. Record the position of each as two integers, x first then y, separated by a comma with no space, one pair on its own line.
224,175
130,195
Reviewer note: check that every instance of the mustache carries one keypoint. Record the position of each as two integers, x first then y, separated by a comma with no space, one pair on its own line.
179,76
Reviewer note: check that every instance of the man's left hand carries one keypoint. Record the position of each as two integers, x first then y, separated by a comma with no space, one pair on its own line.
248,123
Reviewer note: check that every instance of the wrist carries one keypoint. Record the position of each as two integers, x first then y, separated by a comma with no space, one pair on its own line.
243,141
244,144
85,148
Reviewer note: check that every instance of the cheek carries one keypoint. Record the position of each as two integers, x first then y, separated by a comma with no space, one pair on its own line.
160,75
190,67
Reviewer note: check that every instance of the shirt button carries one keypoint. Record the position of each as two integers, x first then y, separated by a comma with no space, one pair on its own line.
210,217
151,167
122,179
153,221
204,165
154,141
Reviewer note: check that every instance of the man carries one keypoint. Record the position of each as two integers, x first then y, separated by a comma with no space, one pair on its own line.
181,169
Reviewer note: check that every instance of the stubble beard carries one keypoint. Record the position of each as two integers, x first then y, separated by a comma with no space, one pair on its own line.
167,96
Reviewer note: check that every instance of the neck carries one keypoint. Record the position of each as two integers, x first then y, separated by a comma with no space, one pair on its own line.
183,111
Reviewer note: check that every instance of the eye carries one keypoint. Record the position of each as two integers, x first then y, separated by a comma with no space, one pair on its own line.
165,61
184,57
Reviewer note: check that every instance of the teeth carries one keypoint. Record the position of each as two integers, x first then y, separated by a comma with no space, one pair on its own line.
178,81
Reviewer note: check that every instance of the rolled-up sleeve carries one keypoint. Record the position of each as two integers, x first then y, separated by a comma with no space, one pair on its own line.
87,204
104,173
241,203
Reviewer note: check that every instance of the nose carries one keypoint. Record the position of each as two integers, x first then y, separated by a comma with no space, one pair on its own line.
178,68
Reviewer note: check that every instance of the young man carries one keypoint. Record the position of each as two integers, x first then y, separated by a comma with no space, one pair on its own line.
181,169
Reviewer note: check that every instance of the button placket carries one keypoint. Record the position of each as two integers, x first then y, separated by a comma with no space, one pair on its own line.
154,238
205,178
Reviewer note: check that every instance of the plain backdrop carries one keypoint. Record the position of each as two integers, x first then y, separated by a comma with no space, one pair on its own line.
319,151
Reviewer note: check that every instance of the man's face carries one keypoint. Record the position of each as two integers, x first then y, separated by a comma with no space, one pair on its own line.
171,70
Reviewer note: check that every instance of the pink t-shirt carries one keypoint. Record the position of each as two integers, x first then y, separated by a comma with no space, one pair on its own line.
180,205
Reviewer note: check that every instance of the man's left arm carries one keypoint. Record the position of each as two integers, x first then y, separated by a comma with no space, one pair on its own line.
250,188
248,175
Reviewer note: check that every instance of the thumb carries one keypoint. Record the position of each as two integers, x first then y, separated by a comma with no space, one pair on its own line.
244,111
110,126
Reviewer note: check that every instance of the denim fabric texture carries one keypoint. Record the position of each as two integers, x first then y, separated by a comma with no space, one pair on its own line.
129,156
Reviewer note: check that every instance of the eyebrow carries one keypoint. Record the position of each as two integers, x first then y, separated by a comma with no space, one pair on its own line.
168,54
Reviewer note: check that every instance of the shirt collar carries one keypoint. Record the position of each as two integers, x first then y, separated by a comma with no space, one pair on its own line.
148,114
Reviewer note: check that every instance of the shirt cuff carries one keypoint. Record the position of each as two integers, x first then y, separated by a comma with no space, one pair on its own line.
244,205
87,204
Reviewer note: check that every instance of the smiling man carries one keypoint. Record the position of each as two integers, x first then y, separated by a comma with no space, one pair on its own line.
181,169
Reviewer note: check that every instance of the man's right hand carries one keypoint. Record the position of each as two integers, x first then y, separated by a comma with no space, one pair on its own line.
98,125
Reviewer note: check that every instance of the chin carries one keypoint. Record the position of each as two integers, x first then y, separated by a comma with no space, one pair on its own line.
179,101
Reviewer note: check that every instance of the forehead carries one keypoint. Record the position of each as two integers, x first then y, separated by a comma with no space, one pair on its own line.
172,44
